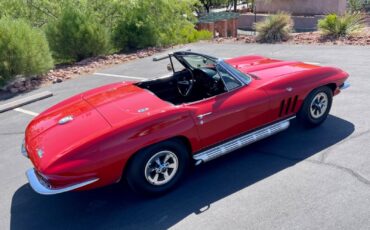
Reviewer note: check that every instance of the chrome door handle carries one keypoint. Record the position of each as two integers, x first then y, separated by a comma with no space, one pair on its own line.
200,117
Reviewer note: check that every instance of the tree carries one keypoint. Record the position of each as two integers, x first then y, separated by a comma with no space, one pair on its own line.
211,3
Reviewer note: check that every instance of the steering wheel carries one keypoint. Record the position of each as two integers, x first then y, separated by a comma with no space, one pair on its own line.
185,83
209,79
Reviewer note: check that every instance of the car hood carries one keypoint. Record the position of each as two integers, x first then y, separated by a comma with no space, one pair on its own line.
266,68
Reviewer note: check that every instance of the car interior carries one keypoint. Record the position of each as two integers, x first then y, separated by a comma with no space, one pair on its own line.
196,81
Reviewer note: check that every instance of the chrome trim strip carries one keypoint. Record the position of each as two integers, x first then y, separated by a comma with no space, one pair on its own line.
40,188
345,85
241,141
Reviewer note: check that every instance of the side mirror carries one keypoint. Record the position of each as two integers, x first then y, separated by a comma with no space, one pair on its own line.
169,67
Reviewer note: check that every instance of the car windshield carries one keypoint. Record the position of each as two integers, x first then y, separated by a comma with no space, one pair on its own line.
197,61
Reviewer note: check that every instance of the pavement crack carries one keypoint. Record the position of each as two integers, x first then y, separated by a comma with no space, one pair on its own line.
325,153
349,171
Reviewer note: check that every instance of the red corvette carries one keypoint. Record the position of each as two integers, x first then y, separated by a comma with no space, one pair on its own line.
150,132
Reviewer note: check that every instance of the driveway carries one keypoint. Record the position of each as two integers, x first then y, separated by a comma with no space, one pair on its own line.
298,179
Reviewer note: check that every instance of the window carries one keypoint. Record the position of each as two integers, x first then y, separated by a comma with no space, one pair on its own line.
197,61
230,82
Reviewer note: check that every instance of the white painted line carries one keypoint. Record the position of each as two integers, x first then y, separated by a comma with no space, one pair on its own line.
120,76
312,63
26,112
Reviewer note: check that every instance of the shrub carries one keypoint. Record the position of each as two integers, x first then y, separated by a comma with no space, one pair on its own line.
23,50
151,23
189,34
274,28
134,33
76,35
355,5
337,26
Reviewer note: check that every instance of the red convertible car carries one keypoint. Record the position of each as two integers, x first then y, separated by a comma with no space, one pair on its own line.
150,132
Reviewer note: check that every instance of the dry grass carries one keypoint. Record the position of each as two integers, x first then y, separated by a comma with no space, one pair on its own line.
275,28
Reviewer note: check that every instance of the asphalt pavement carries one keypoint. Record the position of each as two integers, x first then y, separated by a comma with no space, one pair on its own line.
298,179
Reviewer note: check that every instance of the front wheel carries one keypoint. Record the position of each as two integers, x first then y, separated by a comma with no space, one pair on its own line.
316,107
158,168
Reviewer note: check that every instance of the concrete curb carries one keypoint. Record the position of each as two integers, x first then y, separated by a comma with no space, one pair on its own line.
24,101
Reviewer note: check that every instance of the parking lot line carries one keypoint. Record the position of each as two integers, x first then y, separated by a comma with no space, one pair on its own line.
312,63
26,111
120,76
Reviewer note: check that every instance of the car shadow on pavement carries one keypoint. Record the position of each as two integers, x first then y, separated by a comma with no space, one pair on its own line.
117,207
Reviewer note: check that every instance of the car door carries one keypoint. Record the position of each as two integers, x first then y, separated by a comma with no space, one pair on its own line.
230,114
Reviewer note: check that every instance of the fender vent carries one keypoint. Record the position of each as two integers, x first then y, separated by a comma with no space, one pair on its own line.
288,106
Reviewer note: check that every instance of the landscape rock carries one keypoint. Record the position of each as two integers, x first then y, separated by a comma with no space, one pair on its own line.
13,90
57,80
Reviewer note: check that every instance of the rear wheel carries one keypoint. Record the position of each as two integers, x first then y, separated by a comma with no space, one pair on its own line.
158,168
316,107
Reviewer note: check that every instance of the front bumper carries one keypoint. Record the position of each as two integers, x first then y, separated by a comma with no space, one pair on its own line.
345,85
42,187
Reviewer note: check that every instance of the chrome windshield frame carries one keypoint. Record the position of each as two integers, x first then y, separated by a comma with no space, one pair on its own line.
218,61
235,74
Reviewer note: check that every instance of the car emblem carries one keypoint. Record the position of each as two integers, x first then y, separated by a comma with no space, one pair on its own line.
40,153
65,120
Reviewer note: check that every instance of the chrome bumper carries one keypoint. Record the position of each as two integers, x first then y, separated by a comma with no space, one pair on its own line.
345,85
43,188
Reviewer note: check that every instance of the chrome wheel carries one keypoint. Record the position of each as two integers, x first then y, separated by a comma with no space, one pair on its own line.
161,167
319,105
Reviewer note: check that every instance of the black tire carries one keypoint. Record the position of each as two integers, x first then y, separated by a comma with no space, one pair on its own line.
313,113
142,170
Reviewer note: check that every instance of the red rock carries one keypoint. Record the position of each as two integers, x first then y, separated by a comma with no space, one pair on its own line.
22,89
13,90
18,84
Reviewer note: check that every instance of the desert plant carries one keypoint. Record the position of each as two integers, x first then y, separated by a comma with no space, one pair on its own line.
275,28
76,35
339,26
355,5
23,50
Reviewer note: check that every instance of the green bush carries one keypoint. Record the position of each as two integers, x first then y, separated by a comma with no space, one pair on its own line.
275,28
189,34
76,35
135,34
154,23
338,26
23,50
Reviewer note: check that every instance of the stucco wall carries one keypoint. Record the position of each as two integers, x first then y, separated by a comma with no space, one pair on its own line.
301,23
301,7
